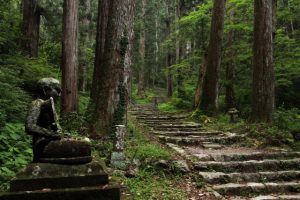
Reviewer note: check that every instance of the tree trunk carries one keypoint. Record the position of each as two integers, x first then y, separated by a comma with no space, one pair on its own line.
209,101
128,56
230,69
69,62
31,27
263,96
201,77
85,40
103,11
179,49
109,64
142,49
169,63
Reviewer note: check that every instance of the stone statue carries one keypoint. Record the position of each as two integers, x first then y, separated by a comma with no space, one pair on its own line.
49,144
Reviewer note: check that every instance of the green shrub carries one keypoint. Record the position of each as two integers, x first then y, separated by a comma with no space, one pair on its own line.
15,151
287,119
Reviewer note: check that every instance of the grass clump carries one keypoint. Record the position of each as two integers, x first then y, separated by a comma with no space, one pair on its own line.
154,184
142,148
151,182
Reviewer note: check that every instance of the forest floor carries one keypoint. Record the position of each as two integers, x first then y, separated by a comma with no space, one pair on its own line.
220,164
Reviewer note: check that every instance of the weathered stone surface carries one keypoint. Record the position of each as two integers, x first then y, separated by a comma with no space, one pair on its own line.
181,166
220,177
37,176
106,192
249,166
162,163
176,148
278,197
256,188
119,161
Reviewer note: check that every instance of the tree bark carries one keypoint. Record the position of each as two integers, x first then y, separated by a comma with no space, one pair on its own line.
169,63
109,65
263,94
69,62
31,27
142,49
103,12
201,77
209,101
230,69
180,8
128,56
85,40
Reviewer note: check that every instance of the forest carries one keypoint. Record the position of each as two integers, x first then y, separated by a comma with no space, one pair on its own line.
208,92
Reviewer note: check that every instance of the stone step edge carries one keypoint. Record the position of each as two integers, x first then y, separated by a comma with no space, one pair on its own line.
245,156
223,178
247,166
251,188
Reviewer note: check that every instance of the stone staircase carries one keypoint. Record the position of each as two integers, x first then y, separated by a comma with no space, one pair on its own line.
231,172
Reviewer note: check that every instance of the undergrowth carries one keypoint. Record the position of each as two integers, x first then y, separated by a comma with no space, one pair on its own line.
151,182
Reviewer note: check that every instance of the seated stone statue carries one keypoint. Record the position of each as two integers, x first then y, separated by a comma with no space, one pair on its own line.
49,144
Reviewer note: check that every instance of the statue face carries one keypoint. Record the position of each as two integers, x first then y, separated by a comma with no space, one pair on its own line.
50,88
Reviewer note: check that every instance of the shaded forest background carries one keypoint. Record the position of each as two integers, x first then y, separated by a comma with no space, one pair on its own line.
169,47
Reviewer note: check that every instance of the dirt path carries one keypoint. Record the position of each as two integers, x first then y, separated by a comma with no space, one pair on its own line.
228,171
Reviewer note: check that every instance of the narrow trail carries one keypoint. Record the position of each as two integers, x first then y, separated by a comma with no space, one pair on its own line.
231,172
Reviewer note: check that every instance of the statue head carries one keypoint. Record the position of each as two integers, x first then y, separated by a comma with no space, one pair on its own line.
49,87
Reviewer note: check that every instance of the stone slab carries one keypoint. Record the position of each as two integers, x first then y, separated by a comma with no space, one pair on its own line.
107,192
44,175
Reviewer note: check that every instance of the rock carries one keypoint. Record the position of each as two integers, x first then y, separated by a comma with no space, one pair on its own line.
119,161
181,166
162,163
132,172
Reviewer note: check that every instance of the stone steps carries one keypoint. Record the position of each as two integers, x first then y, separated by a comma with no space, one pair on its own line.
235,173
287,196
154,123
247,156
269,176
198,140
166,118
182,129
248,166
188,133
252,189
278,197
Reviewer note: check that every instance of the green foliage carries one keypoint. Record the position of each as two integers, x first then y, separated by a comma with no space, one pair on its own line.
146,98
139,147
18,77
119,114
155,184
15,151
159,183
287,119
10,18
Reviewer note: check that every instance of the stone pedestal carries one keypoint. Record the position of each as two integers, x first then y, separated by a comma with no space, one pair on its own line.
43,181
118,159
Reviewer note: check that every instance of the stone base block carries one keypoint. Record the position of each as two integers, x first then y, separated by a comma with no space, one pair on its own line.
38,176
107,192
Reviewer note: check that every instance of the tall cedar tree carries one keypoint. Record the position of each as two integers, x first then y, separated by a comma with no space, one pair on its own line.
31,27
263,92
142,52
69,62
85,41
230,68
109,69
209,101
